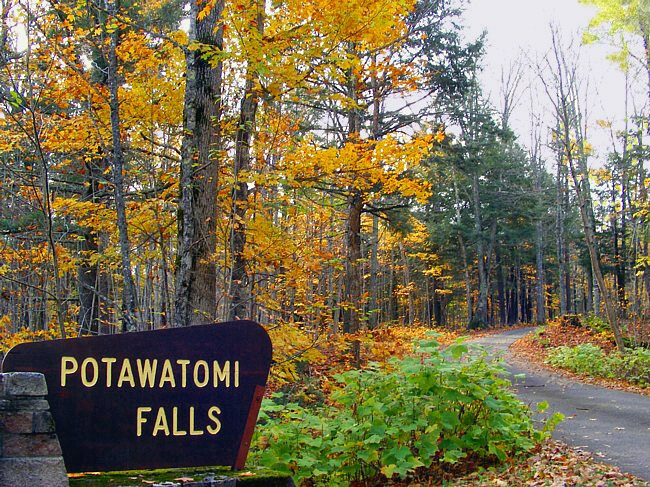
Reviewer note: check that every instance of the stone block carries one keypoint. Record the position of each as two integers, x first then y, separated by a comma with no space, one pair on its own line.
43,445
25,404
16,421
33,472
218,481
43,422
23,384
224,483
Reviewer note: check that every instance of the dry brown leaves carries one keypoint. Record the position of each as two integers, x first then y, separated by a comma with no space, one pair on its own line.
554,464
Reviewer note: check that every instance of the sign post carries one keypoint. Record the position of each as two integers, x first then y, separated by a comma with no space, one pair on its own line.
177,397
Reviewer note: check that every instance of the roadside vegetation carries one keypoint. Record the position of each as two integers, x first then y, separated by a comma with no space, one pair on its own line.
416,418
585,347
423,414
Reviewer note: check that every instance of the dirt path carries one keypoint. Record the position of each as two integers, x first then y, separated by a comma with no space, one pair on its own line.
613,425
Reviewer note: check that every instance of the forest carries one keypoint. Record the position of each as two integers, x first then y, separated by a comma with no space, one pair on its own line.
328,169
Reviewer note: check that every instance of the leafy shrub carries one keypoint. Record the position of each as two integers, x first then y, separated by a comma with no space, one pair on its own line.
435,408
585,358
634,365
597,323
588,359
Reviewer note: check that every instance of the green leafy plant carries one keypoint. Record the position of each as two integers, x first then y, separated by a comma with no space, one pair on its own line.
436,407
596,323
589,359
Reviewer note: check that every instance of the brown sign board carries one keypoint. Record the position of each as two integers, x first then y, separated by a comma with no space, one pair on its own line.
178,397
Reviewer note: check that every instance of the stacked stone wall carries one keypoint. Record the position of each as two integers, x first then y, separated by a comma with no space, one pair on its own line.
30,454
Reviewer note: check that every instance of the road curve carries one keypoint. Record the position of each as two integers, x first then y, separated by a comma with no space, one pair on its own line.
613,425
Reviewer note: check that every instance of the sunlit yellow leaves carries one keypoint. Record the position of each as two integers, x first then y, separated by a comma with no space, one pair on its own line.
302,42
10,339
206,9
86,213
290,346
618,19
362,165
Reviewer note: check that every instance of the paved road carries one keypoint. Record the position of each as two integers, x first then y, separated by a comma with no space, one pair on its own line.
613,425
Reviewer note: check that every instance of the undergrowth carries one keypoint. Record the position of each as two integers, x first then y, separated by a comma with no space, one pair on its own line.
589,359
414,416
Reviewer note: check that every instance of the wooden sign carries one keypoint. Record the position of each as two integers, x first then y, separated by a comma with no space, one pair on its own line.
178,397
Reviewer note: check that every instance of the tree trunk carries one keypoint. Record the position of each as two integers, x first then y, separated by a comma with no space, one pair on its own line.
540,315
353,268
501,289
481,307
559,225
581,184
130,320
373,312
196,274
392,300
352,323
248,110
620,249
468,282
591,290
407,284
239,284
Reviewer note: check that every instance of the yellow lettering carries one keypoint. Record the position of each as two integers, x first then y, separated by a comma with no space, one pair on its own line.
193,432
65,370
161,423
109,361
126,374
206,374
236,373
175,429
140,419
183,363
212,414
84,372
167,374
147,371
221,375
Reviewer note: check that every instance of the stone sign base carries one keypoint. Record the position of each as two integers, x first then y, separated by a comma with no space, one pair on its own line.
30,454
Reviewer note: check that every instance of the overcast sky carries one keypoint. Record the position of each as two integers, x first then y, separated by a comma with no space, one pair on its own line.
516,26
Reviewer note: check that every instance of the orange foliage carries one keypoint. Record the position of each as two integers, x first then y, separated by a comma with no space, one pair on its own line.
9,338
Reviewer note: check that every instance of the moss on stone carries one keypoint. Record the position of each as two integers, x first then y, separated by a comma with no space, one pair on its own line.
141,478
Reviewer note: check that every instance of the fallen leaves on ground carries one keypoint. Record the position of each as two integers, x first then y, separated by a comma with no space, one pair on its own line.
553,464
